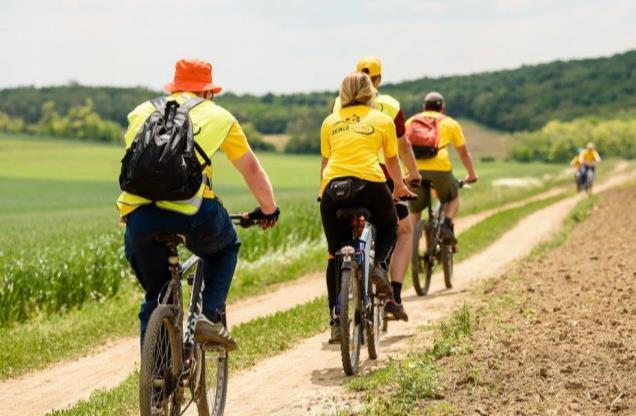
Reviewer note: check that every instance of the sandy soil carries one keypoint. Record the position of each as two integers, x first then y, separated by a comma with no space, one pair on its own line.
67,382
569,346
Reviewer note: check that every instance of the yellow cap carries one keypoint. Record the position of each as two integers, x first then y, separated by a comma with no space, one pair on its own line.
369,64
590,146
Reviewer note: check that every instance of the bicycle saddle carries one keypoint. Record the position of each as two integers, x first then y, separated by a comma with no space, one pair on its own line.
352,212
170,238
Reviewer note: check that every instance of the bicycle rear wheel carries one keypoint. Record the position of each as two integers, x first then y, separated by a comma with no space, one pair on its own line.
350,320
421,266
447,264
159,390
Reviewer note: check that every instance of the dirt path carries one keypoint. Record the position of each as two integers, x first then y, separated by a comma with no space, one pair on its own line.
67,382
567,345
310,374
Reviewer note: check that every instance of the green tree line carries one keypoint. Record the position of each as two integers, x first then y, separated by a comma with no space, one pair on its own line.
514,100
559,141
80,122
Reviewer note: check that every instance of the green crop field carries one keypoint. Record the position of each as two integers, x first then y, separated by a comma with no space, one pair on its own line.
61,245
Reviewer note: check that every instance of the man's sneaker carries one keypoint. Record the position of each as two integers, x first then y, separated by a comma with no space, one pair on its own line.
395,311
448,233
379,277
208,332
336,332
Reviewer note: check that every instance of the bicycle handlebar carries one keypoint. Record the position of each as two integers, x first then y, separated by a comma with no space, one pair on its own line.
253,218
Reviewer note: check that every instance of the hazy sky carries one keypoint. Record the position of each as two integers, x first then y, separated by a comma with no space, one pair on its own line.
287,46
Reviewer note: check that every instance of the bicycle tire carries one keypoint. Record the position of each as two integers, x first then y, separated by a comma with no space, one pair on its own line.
212,377
372,327
447,264
351,334
160,365
421,266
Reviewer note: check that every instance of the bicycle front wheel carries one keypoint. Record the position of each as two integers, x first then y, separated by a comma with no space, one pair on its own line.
211,388
350,320
159,390
373,326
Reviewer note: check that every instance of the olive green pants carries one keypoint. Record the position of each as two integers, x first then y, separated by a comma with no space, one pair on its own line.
444,184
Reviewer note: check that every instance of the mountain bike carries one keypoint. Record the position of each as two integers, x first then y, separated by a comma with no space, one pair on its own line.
587,178
360,310
177,371
423,262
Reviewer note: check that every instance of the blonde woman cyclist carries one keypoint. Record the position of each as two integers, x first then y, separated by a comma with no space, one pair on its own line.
388,105
351,139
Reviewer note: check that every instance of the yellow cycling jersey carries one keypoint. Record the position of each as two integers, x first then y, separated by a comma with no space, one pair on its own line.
575,162
589,157
351,139
450,133
215,128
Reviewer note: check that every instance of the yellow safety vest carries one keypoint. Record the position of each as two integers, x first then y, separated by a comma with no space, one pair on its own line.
382,102
213,124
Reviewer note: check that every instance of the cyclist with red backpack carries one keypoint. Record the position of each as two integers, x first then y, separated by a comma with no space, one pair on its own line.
430,133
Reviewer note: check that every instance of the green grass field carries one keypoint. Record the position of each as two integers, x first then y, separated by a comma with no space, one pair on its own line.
61,243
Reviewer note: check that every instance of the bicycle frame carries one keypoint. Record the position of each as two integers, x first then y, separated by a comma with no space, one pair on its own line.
435,220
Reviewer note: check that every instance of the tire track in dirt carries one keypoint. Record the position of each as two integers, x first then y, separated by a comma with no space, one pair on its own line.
310,375
67,382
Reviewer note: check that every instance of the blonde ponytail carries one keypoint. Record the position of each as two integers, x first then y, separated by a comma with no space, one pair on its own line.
356,89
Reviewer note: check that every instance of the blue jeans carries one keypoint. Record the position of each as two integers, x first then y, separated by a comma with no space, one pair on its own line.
209,234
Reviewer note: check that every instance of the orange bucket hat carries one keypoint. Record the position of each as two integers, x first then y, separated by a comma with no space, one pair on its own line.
192,75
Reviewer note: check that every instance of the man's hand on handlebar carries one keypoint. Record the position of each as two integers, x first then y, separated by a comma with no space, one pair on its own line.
470,179
402,193
413,180
257,216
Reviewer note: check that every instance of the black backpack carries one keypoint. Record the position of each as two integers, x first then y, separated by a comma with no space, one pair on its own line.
161,163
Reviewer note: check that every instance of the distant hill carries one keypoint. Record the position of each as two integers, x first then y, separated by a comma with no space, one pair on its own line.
519,99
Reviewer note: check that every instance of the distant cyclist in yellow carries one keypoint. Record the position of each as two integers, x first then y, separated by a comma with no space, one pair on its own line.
588,158
388,105
351,139
575,163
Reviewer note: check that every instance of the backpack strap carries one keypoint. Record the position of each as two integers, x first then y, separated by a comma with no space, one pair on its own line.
191,103
205,157
187,106
160,104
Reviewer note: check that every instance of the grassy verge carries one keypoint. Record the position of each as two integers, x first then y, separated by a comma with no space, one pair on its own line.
304,321
396,388
40,342
258,339
480,235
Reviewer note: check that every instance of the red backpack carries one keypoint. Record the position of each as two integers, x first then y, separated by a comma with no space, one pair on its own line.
424,134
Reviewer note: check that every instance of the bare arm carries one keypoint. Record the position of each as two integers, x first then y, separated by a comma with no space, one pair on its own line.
323,165
467,161
407,156
257,180
399,190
